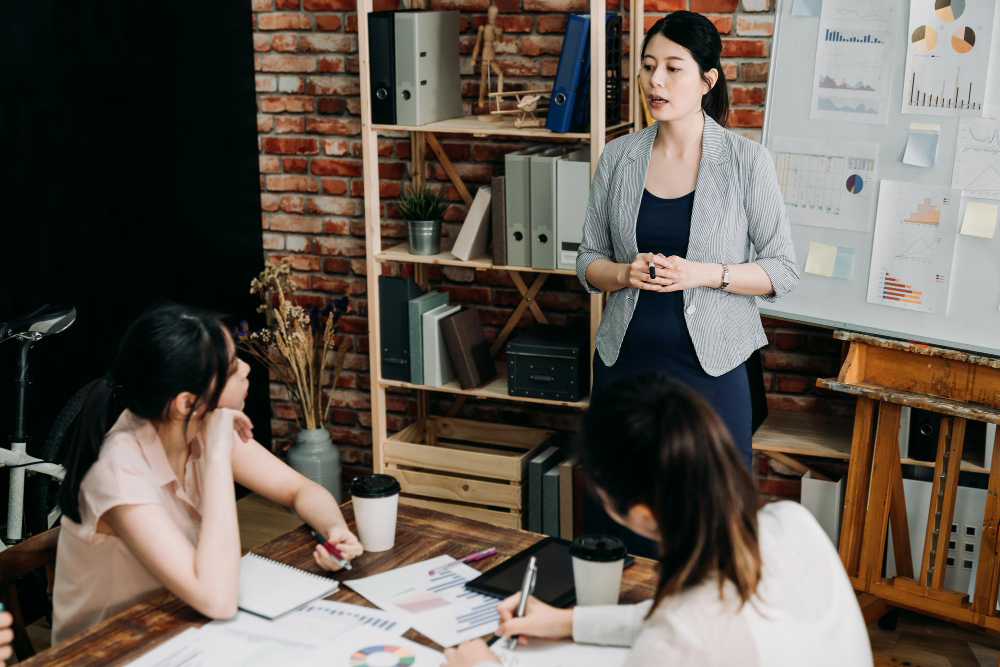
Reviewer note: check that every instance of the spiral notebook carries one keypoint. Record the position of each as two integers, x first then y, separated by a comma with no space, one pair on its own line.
269,588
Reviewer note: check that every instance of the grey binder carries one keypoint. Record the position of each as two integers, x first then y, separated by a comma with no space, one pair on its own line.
428,88
543,207
537,467
518,193
417,307
550,502
572,194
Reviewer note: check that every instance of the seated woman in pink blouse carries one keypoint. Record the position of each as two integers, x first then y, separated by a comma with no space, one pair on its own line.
149,501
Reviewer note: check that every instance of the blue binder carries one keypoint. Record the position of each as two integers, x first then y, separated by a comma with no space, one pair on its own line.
568,104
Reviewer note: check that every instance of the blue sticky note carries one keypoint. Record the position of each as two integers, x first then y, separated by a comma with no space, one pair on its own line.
843,264
806,7
921,148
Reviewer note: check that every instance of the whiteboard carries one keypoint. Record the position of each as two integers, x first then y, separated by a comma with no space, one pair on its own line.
972,319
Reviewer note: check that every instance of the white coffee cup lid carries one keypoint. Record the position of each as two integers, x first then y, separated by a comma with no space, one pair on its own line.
598,548
374,486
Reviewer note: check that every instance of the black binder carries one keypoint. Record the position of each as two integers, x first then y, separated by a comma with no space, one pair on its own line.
382,66
394,323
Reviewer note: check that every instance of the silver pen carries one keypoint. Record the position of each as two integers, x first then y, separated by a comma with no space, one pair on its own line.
527,588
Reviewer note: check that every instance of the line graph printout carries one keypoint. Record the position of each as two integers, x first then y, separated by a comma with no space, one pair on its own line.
977,158
853,75
914,246
826,183
947,57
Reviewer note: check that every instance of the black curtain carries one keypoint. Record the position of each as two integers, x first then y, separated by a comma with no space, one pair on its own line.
128,145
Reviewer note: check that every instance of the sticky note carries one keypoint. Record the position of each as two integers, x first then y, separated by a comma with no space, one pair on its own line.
843,266
806,7
921,144
980,219
821,259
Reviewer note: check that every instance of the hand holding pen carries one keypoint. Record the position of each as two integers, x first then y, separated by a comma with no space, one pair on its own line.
539,620
335,552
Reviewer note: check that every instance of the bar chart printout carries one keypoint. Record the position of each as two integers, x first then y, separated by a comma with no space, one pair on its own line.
914,246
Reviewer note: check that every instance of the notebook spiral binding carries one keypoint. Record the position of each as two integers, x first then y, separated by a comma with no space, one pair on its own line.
289,566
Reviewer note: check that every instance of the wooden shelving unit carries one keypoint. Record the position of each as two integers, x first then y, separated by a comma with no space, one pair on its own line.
528,281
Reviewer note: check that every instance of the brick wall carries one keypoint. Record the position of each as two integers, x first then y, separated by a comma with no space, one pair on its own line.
311,188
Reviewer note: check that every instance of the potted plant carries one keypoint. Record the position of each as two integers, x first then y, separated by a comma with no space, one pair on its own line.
298,348
423,210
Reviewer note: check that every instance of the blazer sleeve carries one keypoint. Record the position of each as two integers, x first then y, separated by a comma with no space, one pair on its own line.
596,242
768,227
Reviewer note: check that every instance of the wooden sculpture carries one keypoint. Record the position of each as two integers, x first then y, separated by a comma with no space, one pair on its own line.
487,36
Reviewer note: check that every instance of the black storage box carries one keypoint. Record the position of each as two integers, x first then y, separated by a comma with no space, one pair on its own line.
548,362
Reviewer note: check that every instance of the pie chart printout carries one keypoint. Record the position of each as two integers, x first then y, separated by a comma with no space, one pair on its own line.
855,183
963,40
924,38
949,10
382,656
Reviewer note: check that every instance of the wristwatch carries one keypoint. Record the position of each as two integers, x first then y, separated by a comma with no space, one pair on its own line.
725,277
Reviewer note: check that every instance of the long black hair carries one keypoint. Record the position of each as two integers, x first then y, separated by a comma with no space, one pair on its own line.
699,36
168,350
651,440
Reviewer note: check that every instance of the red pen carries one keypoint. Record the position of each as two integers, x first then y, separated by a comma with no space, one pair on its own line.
337,556
478,555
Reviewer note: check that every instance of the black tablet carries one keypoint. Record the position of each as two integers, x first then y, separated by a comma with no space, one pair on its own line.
554,584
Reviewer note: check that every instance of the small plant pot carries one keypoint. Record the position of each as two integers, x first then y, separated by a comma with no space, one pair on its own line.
424,237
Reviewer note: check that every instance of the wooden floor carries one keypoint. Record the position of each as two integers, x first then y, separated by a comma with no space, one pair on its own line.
918,641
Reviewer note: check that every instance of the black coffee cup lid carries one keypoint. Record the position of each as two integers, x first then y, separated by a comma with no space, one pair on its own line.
374,486
598,548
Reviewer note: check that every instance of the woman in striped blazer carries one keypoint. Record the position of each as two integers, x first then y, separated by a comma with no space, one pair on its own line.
674,210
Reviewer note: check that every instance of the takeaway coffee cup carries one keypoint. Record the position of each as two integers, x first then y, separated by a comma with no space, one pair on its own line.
375,499
598,561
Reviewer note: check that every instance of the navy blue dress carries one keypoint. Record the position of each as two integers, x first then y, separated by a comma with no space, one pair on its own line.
657,339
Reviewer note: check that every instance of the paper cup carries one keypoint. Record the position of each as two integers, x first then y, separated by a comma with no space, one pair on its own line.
375,499
598,561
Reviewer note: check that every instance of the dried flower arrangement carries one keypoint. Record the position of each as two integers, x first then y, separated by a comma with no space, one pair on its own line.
295,345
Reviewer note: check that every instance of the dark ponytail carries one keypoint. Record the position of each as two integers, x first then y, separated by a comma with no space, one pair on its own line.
169,350
699,36
650,440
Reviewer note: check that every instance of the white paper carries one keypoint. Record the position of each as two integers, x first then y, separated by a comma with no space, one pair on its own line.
325,615
977,158
947,57
372,648
914,246
991,102
827,183
541,653
854,55
438,607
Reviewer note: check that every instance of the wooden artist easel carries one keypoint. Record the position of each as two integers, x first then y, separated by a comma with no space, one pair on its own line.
886,375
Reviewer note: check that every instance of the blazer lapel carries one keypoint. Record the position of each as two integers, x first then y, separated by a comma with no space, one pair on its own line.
710,190
633,182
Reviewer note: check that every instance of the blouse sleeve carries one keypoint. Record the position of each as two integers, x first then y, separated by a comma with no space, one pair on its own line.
110,482
768,227
596,242
609,625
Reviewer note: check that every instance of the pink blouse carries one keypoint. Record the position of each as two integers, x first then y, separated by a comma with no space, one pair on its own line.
97,576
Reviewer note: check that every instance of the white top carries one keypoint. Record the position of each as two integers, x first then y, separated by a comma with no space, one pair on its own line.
804,606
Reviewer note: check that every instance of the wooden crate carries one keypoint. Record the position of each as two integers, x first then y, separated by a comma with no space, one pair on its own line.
467,468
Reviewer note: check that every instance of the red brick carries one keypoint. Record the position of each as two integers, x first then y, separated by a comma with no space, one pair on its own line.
291,145
285,21
343,246
328,22
333,85
264,122
340,43
292,203
791,384
796,403
549,66
746,118
724,24
791,340
552,23
480,173
332,64
335,167
351,23
335,205
276,63
762,27
260,5
747,95
330,105
291,84
803,363
289,103
334,186
337,227
648,21
292,182
467,294
274,242
265,83
334,147
730,70
464,5
286,4
534,46
289,124
744,48
330,5
514,23
347,127
665,6
721,6
755,72
295,223
261,42
285,42
269,203
268,164
295,165
555,5
336,265
518,66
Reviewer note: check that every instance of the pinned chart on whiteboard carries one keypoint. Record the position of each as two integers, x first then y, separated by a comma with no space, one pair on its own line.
914,246
977,157
826,183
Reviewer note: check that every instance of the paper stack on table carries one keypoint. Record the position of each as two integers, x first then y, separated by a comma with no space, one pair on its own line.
543,653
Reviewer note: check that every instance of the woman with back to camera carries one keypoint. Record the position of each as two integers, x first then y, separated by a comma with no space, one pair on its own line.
149,502
686,199
739,586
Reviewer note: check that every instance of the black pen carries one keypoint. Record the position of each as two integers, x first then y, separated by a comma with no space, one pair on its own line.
527,588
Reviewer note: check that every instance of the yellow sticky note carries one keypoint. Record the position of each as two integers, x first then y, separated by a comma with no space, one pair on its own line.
821,259
980,219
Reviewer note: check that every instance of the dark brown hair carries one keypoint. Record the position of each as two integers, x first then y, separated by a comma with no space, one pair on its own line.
650,440
699,36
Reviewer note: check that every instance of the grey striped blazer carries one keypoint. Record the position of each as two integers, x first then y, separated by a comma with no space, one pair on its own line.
736,203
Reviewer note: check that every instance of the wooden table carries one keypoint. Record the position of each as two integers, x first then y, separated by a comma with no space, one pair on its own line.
420,534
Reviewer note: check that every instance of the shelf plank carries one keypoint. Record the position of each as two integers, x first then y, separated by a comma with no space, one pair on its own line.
471,125
401,253
496,388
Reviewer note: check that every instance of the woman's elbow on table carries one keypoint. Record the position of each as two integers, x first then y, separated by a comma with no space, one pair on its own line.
216,608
